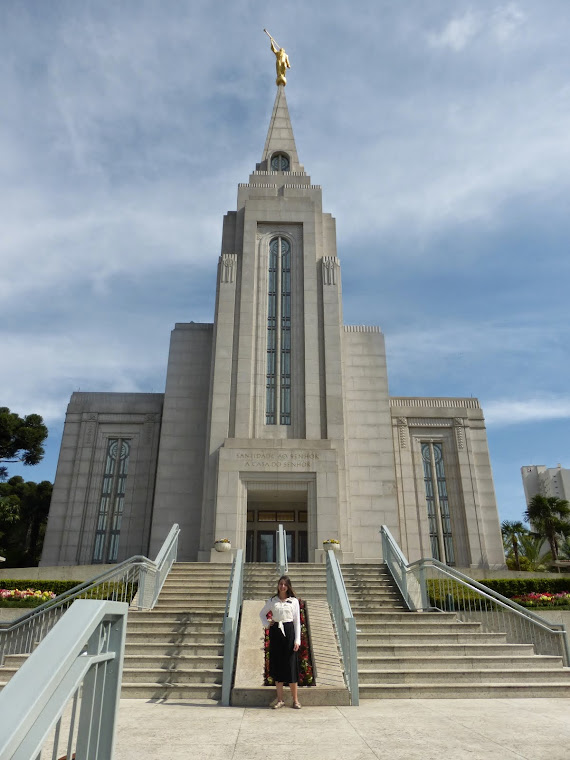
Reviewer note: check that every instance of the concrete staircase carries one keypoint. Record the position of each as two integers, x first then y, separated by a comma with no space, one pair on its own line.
404,654
309,580
176,650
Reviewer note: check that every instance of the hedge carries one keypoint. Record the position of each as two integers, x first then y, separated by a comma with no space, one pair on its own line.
510,587
451,595
111,590
58,587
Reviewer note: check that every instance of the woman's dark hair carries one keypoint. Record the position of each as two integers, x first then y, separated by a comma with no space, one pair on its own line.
287,580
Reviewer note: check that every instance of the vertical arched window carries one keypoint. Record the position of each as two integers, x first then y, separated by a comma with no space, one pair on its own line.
278,399
439,516
112,501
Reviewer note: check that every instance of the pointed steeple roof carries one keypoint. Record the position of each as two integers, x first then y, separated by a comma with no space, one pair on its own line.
280,138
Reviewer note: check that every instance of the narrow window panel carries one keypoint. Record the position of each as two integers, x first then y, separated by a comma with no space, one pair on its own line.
111,506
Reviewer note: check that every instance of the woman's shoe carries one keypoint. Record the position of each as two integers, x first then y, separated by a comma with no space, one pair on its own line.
296,705
278,704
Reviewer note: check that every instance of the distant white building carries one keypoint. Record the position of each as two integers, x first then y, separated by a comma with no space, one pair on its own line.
546,481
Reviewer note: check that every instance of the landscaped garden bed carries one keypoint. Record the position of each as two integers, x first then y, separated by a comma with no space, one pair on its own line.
24,597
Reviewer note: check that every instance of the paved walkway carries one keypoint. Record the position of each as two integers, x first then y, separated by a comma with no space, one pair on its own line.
442,729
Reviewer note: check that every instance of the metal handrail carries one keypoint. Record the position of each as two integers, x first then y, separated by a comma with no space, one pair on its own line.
452,591
344,622
231,624
282,564
397,564
78,667
137,581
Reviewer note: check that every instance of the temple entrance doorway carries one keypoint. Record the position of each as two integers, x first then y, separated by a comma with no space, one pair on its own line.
265,512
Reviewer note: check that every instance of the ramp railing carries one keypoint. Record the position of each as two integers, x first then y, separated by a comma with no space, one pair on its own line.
344,623
430,585
64,699
136,581
231,624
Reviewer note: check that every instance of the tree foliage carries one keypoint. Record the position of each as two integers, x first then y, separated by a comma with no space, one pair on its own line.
548,516
24,507
532,554
511,532
21,438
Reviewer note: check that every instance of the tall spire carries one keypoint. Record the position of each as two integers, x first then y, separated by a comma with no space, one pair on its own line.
280,137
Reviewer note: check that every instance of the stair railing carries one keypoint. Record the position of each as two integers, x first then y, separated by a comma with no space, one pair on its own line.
231,624
282,565
65,698
433,586
344,623
137,581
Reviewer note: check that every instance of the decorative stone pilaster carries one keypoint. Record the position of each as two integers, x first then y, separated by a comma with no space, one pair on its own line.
90,428
458,426
330,266
403,432
228,263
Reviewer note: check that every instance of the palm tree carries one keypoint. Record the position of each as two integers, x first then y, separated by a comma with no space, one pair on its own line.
511,532
549,517
531,552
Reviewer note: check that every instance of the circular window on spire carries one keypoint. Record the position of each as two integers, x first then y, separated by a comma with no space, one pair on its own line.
280,162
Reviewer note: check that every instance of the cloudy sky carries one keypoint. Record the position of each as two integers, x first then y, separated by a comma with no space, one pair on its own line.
439,131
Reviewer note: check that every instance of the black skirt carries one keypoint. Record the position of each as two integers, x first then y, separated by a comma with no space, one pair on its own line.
283,660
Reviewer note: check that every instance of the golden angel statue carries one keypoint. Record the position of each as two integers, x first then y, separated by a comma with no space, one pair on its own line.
281,60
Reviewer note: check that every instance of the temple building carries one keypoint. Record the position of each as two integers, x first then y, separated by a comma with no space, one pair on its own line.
277,412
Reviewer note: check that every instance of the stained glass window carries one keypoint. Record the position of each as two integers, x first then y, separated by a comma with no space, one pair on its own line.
280,162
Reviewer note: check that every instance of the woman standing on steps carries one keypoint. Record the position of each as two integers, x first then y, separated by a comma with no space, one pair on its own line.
284,623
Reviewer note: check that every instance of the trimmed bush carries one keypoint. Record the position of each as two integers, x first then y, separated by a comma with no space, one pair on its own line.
58,587
110,591
516,586
451,595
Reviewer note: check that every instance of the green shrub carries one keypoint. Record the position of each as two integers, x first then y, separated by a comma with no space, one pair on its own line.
118,591
510,587
58,587
451,595
19,603
115,590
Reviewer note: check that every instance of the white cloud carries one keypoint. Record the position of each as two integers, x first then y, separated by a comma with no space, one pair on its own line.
500,24
457,32
515,411
506,20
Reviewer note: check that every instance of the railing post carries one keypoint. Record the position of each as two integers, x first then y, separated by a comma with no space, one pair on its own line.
282,565
423,586
230,625
141,589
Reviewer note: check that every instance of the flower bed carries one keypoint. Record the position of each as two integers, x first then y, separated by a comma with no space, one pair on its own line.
24,597
306,677
544,601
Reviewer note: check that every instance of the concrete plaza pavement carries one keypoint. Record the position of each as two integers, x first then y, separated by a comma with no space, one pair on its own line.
399,729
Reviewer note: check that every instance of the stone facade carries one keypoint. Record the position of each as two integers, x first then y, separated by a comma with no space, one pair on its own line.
276,412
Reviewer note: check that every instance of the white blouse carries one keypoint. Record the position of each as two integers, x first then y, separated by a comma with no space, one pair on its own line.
283,611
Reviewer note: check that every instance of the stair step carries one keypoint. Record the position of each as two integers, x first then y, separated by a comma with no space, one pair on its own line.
416,627
183,662
158,691
453,662
398,650
188,637
184,649
429,639
173,629
461,675
451,690
173,676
